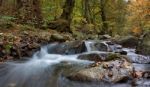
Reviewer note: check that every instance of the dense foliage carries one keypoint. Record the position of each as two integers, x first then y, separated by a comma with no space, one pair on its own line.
93,16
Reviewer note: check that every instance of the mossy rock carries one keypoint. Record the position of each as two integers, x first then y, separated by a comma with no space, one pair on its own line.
113,56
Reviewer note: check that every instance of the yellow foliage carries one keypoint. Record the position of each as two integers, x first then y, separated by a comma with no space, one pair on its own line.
137,31
139,15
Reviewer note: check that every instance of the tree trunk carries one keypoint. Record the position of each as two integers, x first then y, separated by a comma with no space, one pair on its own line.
87,10
1,2
63,23
67,10
37,11
103,17
19,4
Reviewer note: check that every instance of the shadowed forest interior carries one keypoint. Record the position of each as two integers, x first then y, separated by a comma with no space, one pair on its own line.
87,16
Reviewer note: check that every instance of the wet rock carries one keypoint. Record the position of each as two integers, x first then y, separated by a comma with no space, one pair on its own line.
113,56
89,46
141,83
140,59
144,45
141,70
93,56
100,56
113,72
128,41
136,58
104,46
68,48
76,47
113,47
80,46
146,74
100,46
123,52
94,45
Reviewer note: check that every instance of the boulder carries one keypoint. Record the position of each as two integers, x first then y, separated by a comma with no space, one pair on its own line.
112,71
94,45
68,48
93,56
100,56
144,45
128,41
80,46
103,46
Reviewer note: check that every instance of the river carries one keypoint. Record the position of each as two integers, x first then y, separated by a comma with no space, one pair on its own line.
46,69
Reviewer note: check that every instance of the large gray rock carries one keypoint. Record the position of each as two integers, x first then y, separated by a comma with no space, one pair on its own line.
144,45
128,41
68,48
80,46
113,72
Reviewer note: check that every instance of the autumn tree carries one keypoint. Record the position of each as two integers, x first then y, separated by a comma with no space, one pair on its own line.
116,16
139,16
107,16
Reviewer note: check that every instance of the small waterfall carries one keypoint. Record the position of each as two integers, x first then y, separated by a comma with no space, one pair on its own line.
97,46
35,72
88,44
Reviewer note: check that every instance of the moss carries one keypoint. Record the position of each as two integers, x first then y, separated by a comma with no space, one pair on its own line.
113,56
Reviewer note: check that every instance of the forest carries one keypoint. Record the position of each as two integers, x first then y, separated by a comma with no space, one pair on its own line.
74,43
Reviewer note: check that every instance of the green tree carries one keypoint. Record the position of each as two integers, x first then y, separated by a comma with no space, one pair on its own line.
103,17
87,11
62,24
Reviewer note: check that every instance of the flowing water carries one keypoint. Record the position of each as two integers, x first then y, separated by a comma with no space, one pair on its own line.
47,70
